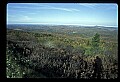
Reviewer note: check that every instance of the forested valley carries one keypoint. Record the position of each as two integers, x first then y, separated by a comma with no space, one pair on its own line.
61,51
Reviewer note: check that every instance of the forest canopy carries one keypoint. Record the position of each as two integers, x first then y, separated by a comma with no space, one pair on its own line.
56,53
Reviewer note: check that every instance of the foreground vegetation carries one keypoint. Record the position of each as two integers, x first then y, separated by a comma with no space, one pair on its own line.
47,54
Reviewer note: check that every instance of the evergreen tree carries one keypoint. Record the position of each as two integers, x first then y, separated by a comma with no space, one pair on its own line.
95,43
96,40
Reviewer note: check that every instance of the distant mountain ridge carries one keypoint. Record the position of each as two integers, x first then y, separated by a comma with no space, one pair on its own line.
42,26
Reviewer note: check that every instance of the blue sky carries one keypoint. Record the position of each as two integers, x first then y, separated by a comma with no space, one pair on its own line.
63,13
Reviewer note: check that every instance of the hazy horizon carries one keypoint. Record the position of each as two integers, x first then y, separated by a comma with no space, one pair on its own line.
57,24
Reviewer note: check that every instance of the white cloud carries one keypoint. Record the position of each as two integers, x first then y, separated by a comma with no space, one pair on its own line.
89,5
45,7
65,9
26,18
109,6
32,13
20,18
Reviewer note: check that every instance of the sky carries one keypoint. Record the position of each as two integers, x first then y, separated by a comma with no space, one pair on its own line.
105,14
